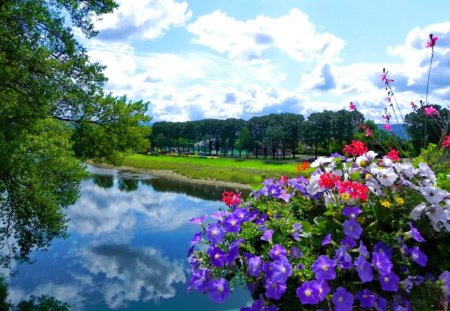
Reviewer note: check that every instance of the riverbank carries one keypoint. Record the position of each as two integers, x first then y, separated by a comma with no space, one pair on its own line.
227,172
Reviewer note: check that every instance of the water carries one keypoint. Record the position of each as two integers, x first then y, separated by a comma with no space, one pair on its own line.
129,235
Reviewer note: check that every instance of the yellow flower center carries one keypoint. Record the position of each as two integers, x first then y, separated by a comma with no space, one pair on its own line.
341,299
307,293
325,268
386,279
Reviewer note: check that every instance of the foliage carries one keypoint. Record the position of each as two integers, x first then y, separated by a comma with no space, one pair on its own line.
361,232
53,108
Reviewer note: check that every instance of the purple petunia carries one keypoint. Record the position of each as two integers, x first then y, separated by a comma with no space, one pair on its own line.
322,287
232,223
383,248
381,262
380,304
351,211
363,250
295,253
218,256
218,290
277,251
364,269
308,293
414,233
327,239
267,236
200,280
281,269
389,282
418,256
343,300
215,233
323,268
343,258
366,298
196,239
352,229
197,220
348,242
233,250
255,265
275,290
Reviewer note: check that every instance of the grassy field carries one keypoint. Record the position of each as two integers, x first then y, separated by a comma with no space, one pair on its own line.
245,171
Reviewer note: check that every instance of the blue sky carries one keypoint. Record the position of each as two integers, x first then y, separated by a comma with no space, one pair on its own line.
243,58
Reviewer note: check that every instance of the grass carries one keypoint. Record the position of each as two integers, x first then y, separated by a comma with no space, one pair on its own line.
244,171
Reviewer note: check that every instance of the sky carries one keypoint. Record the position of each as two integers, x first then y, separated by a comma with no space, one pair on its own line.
198,59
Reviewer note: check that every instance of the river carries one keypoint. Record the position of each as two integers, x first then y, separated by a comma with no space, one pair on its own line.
128,238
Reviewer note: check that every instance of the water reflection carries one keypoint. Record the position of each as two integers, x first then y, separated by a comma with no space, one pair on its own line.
127,247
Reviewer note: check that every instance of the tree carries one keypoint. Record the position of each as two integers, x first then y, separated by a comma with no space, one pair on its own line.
53,112
425,129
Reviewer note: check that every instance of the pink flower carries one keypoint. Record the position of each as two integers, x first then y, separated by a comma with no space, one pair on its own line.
351,106
387,127
413,106
386,117
368,132
432,42
430,111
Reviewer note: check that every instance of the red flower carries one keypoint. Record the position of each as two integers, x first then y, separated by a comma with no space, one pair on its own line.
284,179
328,180
393,155
446,142
354,189
231,198
302,167
356,148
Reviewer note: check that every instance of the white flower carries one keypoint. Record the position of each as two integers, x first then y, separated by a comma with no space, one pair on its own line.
370,155
321,161
386,176
418,211
437,217
362,161
407,169
425,171
387,162
432,194
374,186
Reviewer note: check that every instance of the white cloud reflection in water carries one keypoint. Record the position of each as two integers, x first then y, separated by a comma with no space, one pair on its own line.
120,250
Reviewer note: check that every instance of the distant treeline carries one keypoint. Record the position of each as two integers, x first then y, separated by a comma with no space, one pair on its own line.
271,135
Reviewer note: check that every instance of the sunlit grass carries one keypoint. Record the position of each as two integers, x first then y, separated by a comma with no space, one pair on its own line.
245,171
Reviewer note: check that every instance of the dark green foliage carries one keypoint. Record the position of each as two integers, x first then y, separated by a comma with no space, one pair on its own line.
52,109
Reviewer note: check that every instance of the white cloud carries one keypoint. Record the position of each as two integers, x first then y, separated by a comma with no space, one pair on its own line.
143,19
294,34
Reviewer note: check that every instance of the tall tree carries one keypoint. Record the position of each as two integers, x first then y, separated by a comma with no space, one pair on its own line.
52,109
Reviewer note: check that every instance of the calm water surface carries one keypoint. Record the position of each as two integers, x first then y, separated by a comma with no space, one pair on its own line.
129,234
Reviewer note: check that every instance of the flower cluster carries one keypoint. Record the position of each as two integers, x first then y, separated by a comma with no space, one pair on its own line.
363,232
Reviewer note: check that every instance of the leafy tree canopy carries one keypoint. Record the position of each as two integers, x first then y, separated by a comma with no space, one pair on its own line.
53,112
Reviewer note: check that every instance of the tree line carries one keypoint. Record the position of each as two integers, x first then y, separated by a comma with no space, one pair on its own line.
272,135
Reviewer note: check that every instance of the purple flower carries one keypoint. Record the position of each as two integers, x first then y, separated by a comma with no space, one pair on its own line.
281,270
267,236
215,233
233,250
322,287
232,223
351,211
327,239
197,220
380,304
381,262
274,191
277,251
297,227
414,233
275,290
296,236
199,280
348,242
242,214
418,256
323,268
308,293
218,290
196,239
363,250
352,229
219,215
343,300
381,247
366,298
364,269
255,265
295,253
389,282
218,256
445,278
343,258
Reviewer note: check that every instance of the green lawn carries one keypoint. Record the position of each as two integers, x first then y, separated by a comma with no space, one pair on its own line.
245,171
